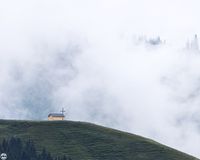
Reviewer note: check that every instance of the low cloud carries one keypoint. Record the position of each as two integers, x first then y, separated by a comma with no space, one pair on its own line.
128,70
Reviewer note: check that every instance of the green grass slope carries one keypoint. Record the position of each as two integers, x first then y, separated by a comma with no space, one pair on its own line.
85,141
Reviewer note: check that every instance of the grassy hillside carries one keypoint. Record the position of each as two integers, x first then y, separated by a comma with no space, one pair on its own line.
84,141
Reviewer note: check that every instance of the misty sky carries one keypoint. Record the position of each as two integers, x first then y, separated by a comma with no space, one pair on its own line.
97,58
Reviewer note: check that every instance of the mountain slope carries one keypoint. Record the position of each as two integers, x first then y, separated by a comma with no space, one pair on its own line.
87,141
